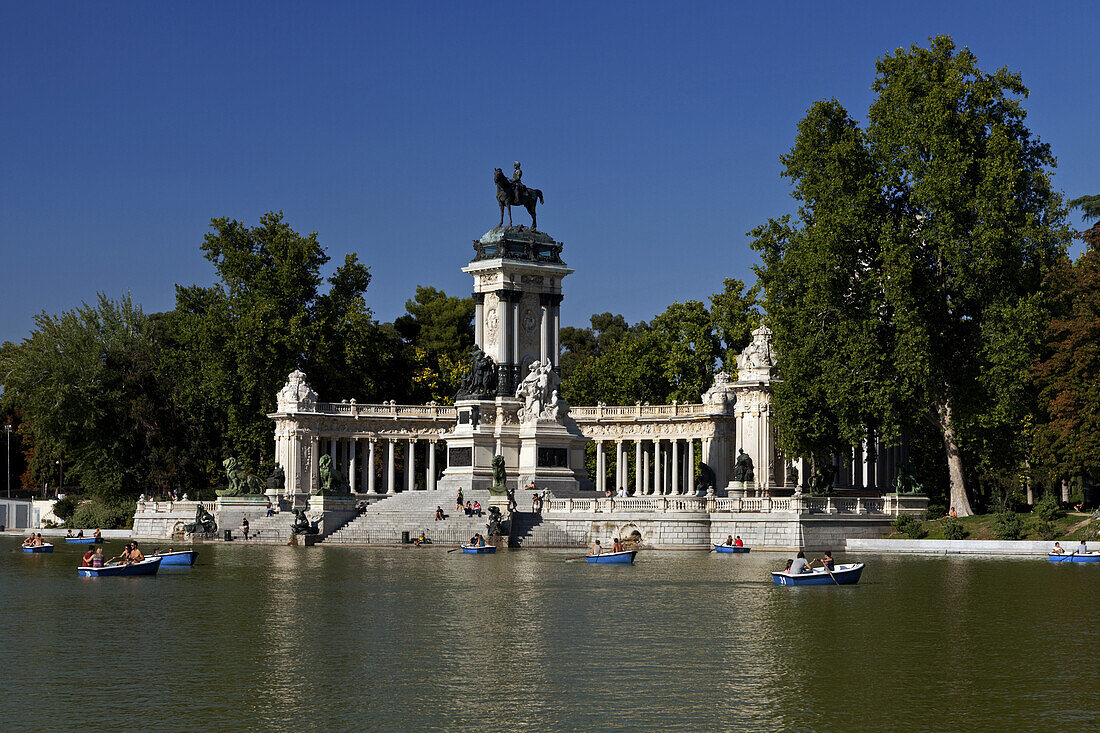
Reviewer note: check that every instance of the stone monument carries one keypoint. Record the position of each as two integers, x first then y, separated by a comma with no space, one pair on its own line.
510,404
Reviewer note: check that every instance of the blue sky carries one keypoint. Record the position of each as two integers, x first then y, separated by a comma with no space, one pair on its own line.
654,130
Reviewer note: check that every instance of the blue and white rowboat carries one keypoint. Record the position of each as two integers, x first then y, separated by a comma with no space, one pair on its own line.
613,558
731,548
45,547
83,540
183,557
1075,557
842,575
479,550
148,566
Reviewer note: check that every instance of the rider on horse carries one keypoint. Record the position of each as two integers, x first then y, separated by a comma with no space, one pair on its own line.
518,189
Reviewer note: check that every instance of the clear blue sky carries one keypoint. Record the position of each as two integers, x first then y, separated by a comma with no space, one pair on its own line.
654,130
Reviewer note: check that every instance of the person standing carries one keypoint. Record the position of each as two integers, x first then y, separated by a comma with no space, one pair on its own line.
244,527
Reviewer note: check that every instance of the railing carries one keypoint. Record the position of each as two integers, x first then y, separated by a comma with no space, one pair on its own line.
635,411
881,506
391,410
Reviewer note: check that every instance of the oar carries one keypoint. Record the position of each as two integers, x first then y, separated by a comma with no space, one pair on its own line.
1065,557
454,550
830,572
578,557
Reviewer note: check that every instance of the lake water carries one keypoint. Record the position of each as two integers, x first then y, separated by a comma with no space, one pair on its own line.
344,638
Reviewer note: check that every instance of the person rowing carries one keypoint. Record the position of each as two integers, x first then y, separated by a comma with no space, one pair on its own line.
826,560
135,554
799,565
729,541
123,558
596,550
617,546
1058,550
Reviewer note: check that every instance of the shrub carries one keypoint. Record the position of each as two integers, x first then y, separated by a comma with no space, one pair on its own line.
97,514
1044,529
909,526
953,529
1007,526
935,511
1047,509
63,508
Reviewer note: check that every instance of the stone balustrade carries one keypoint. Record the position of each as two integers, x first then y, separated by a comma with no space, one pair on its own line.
882,506
635,411
386,409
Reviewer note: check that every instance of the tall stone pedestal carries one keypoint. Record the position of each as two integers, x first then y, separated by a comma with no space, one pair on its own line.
330,512
230,510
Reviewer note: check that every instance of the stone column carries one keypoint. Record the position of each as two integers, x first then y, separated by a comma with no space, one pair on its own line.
620,467
516,328
601,470
638,473
369,467
410,465
353,480
391,481
690,488
658,489
430,483
544,328
479,320
314,465
675,489
645,486
556,332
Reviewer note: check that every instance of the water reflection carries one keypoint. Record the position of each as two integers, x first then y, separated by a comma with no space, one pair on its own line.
276,638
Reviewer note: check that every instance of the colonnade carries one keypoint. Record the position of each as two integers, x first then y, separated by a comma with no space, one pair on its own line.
662,466
359,459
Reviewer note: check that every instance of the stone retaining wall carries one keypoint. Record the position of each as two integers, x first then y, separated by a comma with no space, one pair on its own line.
958,547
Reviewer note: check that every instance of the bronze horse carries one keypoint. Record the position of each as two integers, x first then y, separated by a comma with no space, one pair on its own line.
506,196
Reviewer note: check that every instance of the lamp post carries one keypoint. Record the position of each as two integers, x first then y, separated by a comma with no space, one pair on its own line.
7,429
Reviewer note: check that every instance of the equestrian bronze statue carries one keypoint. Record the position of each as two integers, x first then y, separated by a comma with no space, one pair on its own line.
513,193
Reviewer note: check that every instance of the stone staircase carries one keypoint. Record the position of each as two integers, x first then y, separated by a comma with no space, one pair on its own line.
414,512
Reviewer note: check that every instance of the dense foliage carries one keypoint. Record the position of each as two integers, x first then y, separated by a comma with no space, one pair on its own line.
907,294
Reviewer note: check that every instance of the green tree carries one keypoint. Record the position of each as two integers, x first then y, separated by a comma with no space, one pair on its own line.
233,344
951,226
690,350
734,316
88,386
438,331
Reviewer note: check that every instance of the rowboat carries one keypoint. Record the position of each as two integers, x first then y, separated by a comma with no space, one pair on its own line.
479,550
46,547
83,540
1075,557
731,548
149,566
842,575
183,557
614,558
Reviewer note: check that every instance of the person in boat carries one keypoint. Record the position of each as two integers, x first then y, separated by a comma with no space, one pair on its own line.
80,533
69,533
29,542
1057,549
737,542
480,540
97,534
135,554
596,549
122,558
799,565
86,561
473,541
39,543
729,541
1082,549
826,560
788,568
617,546
97,558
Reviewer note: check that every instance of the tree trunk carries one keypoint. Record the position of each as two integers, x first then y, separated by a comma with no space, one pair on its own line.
958,498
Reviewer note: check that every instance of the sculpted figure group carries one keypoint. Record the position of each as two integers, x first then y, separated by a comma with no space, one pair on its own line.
480,382
539,391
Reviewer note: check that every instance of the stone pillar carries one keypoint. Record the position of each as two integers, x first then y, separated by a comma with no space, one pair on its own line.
410,465
314,465
516,328
430,483
620,468
544,329
601,469
658,487
353,480
391,486
479,320
556,332
675,488
369,467
638,472
690,487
